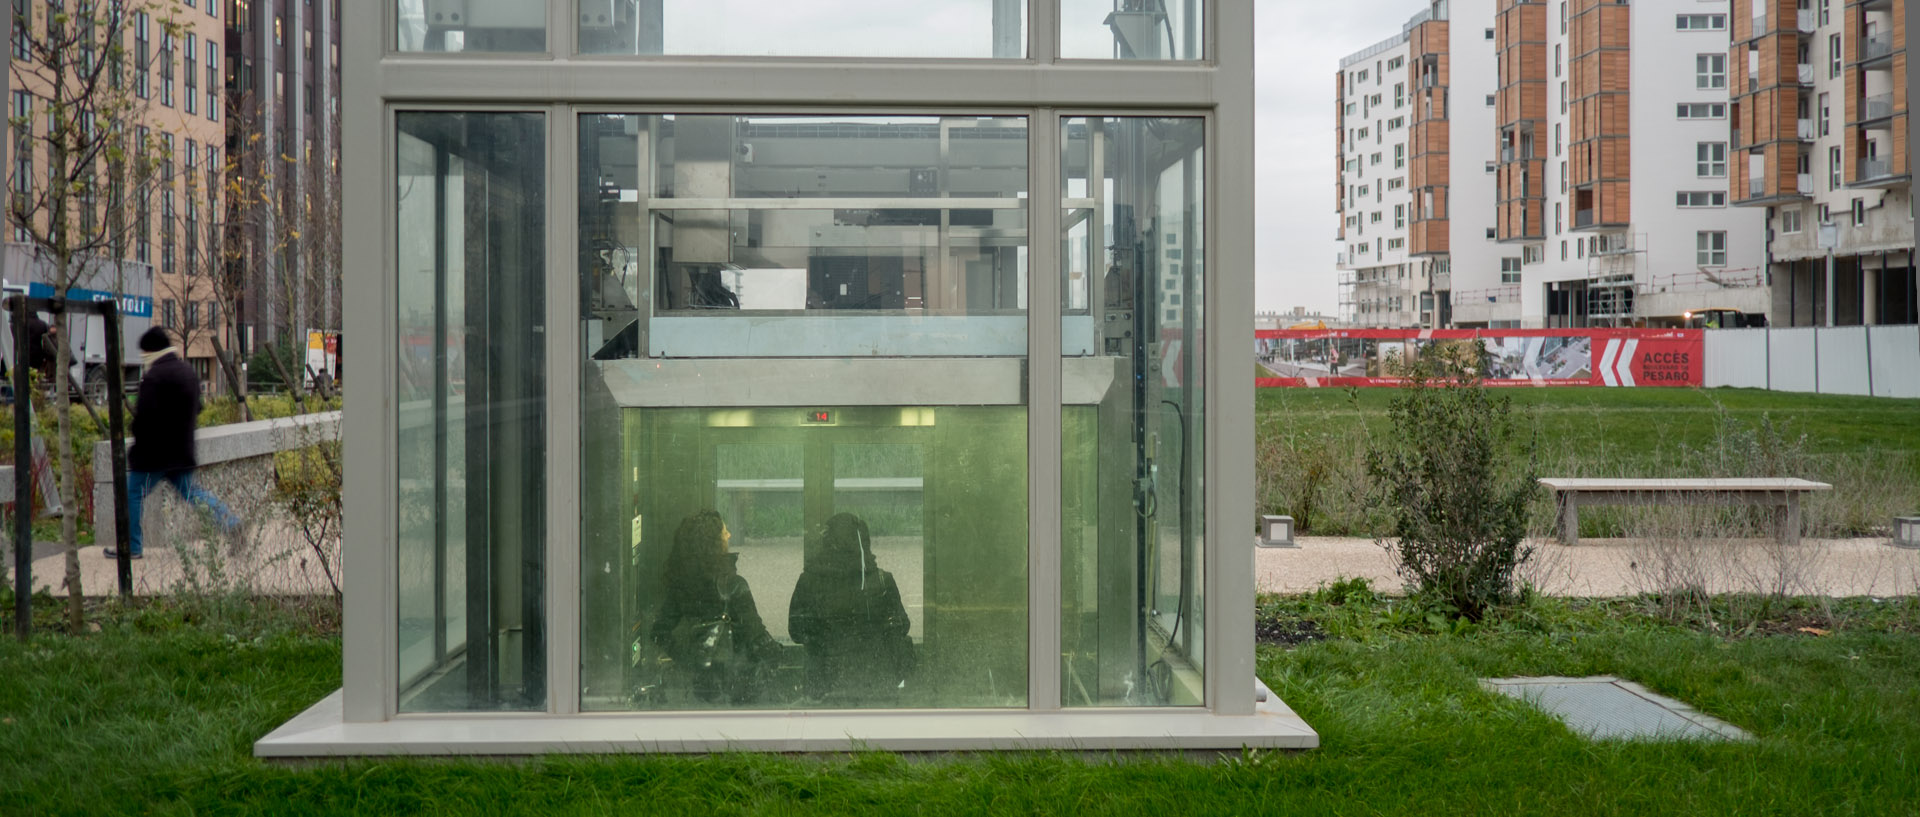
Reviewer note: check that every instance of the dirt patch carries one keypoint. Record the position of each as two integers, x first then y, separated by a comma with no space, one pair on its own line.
1287,632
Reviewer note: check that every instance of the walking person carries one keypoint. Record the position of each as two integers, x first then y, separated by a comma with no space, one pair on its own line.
164,417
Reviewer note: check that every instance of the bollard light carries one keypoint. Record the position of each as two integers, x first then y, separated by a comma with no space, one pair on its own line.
1906,531
1276,532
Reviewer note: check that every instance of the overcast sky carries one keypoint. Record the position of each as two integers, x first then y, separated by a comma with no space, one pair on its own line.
1300,43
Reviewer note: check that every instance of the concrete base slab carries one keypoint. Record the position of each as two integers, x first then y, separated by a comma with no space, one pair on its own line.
1607,708
320,732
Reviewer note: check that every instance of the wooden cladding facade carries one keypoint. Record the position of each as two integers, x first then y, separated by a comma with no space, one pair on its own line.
1876,93
1430,141
1520,111
1600,122
1768,100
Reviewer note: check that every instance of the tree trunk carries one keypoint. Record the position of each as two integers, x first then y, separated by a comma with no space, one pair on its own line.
70,511
234,385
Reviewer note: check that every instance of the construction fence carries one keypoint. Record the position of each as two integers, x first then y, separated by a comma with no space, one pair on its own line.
1880,361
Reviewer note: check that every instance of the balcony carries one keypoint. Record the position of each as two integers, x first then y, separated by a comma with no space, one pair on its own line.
1756,185
1876,47
1583,218
1759,20
1876,107
1806,22
1805,130
1874,171
1738,142
1804,183
1805,74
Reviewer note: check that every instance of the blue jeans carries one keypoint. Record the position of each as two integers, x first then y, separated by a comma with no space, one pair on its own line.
141,483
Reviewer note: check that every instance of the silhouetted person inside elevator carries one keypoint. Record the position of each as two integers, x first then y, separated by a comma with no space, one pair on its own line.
848,613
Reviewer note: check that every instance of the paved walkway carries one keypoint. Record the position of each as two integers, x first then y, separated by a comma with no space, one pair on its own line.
1618,567
278,563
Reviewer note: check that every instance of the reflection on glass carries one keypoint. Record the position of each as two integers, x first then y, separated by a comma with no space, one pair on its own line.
862,556
471,411
839,237
760,297
774,28
1131,29
1133,430
497,26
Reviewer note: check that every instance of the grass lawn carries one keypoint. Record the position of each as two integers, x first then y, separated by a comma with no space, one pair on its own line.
1312,443
155,714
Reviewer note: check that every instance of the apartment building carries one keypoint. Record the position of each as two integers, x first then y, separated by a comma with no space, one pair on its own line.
169,240
1821,129
1381,283
1629,140
283,82
1531,206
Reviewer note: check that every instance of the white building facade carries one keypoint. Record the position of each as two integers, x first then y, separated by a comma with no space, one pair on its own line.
1381,283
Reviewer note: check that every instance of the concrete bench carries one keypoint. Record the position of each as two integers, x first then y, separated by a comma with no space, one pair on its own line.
1782,494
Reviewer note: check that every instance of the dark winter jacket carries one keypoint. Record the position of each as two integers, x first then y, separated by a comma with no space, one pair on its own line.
696,598
848,613
164,417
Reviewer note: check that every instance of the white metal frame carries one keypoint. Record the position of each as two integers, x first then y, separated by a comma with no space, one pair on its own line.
364,718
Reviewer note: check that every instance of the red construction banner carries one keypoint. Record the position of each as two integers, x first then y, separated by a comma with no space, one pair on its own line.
1513,357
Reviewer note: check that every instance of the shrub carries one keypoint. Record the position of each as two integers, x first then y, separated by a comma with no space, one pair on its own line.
1455,495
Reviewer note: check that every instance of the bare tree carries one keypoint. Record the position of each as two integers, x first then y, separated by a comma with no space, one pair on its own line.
284,214
74,64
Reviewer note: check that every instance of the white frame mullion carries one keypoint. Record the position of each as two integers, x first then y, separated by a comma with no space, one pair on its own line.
370,614
1229,265
563,411
1043,31
1044,390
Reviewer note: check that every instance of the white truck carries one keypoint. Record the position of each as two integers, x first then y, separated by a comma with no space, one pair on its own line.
26,272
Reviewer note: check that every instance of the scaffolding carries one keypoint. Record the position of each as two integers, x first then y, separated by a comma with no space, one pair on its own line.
1616,263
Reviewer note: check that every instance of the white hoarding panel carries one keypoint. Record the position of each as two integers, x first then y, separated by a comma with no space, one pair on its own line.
1790,359
1736,358
1896,360
1841,355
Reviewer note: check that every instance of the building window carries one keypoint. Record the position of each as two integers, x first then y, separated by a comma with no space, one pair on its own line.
166,69
1533,254
1489,100
141,70
1399,215
1563,250
1700,22
1789,220
1399,94
167,317
1399,156
192,74
1710,71
1556,138
1396,243
1509,270
1710,248
1833,169
1835,57
1489,33
1490,234
1701,110
1700,198
1826,111
1710,160
1824,19
213,80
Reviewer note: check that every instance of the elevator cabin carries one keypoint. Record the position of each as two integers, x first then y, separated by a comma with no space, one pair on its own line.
786,318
